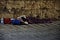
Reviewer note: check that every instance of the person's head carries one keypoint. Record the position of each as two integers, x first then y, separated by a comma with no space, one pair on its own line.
24,19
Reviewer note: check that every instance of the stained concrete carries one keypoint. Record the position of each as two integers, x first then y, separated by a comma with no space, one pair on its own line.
48,31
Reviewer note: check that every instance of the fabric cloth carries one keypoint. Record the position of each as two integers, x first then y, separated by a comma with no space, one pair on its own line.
15,22
26,22
2,20
7,21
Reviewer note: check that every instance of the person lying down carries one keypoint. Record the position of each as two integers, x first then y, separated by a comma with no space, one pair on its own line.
22,18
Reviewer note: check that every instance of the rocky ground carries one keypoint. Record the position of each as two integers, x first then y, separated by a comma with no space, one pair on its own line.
48,31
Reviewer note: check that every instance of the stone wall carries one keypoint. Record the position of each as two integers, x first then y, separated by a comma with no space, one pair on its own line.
43,8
